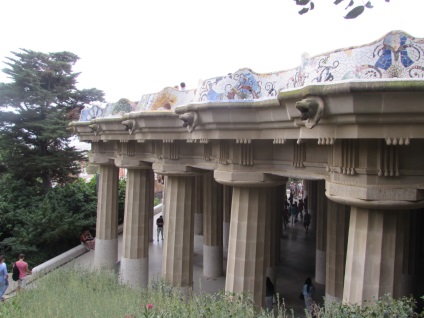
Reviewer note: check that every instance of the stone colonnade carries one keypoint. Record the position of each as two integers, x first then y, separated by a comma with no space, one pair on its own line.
361,253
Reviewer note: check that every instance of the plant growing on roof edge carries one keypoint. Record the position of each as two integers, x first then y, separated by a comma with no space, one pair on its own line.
354,12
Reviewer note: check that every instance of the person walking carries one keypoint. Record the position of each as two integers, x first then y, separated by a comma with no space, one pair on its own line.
4,283
293,212
269,294
306,220
159,224
308,294
300,208
23,272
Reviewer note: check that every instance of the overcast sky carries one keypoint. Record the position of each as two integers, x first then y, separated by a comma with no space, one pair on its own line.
131,48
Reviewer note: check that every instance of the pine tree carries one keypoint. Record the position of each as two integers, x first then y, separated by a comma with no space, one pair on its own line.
35,109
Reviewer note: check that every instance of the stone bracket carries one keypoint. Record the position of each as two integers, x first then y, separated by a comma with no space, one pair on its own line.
190,120
311,109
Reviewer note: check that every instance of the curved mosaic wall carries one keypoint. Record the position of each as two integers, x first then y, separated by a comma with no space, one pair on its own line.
396,55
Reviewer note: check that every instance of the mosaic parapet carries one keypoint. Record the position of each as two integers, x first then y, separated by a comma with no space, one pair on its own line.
166,99
96,110
397,55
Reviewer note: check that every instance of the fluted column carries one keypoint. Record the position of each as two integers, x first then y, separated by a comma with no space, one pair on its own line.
321,232
248,244
408,278
374,254
212,226
106,253
337,235
135,247
227,197
177,263
198,205
150,197
275,226
312,200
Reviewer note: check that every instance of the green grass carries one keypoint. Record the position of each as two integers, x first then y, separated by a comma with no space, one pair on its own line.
91,294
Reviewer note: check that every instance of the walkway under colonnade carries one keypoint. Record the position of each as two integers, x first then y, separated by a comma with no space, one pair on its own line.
297,262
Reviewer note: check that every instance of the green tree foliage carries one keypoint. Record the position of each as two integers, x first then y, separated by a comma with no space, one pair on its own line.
35,110
354,10
45,226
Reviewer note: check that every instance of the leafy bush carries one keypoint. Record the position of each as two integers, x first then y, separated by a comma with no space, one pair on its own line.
385,306
43,226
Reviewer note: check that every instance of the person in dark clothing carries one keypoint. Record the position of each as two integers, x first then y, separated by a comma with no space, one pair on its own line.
306,220
159,224
308,293
269,294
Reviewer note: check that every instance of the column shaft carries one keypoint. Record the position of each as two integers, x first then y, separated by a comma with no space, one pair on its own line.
374,254
227,197
321,232
198,205
150,201
177,264
135,246
337,235
106,253
212,225
247,248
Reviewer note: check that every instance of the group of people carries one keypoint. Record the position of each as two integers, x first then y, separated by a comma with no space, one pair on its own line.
182,86
296,211
307,294
23,269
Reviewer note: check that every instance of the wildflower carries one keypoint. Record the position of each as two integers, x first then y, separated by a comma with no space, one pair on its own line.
149,306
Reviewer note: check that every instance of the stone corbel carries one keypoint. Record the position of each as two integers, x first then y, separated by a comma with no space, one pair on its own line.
95,128
190,120
311,109
130,125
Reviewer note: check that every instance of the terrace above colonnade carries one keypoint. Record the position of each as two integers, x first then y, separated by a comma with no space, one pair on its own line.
353,117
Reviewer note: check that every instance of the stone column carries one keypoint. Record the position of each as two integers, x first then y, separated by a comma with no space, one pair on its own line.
273,234
312,197
212,226
165,178
248,244
374,254
135,247
227,197
337,235
177,263
150,197
198,205
321,232
408,278
106,252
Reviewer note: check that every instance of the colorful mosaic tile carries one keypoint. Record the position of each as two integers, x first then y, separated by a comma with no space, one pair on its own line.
396,55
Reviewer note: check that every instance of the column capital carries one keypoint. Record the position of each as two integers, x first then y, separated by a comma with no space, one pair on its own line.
176,170
131,162
375,197
248,179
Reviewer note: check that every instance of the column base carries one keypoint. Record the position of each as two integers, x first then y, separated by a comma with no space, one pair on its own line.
212,261
135,272
106,253
331,299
